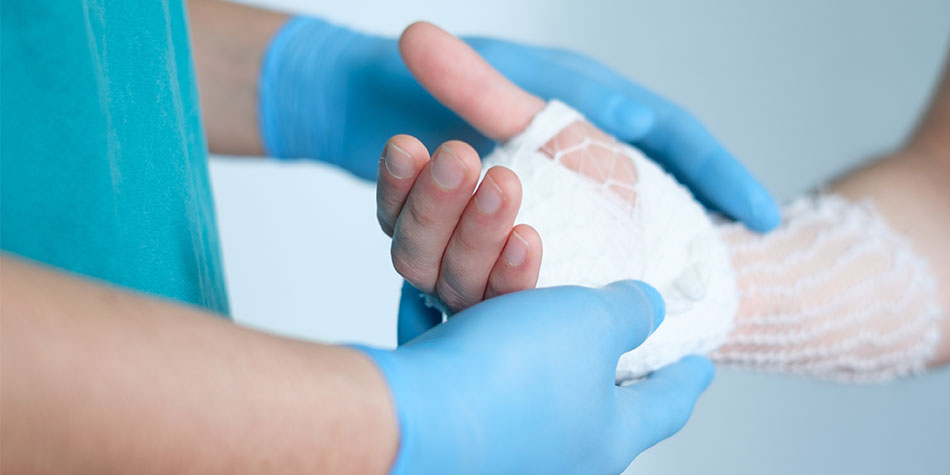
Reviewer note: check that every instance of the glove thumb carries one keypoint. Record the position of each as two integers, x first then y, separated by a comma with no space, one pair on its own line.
415,317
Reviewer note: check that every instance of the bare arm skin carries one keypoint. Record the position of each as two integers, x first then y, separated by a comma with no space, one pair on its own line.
100,380
229,43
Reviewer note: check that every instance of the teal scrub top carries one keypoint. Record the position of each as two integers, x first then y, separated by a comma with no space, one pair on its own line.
103,162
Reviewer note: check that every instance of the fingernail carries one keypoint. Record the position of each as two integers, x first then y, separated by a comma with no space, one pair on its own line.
656,301
447,170
633,120
488,199
398,162
516,251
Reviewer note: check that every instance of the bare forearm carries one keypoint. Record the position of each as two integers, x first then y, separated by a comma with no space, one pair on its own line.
100,380
229,44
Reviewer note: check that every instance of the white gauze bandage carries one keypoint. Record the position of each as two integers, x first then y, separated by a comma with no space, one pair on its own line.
833,293
605,212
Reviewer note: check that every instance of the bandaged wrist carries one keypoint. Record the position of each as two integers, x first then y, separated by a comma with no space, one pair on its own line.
834,293
602,220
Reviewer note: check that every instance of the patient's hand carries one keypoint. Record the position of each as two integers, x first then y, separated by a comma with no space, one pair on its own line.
447,241
462,247
834,293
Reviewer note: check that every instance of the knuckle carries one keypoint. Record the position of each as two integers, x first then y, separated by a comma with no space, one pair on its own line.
421,216
454,293
389,201
411,270
466,243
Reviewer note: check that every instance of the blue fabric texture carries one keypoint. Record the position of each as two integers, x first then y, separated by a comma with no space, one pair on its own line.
104,161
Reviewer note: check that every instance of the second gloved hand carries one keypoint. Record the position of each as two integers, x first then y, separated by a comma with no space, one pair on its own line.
334,94
524,383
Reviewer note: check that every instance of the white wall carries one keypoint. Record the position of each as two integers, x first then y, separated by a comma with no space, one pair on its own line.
799,90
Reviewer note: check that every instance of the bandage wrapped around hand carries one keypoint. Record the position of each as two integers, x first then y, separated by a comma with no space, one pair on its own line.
833,293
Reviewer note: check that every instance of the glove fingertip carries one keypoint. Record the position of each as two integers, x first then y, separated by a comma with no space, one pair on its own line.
645,294
726,184
632,121
765,215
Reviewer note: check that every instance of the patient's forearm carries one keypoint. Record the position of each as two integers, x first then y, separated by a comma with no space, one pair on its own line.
98,380
912,191
229,43
866,289
835,292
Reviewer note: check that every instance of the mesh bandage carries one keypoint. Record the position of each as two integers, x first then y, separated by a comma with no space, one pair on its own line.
833,293
605,213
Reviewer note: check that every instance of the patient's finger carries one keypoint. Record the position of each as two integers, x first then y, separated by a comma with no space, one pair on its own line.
402,160
432,211
479,239
518,265
461,80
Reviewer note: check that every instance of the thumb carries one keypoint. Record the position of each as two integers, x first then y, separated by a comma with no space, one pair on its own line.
415,317
658,407
465,83
635,309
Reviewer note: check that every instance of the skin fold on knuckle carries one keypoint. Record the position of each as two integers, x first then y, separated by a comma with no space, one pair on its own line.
421,214
468,241
504,280
391,198
412,268
449,291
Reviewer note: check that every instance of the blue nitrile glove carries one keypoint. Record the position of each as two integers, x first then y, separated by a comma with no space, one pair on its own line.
337,95
524,383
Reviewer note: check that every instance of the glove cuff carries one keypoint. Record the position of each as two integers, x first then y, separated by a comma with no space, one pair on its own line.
384,361
431,438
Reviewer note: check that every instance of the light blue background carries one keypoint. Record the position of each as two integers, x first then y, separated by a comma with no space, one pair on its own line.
801,91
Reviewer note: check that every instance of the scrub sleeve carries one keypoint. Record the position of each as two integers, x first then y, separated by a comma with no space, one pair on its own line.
103,161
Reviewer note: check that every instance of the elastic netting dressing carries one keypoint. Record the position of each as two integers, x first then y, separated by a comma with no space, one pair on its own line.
834,293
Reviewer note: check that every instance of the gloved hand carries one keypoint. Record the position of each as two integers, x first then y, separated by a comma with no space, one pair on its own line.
524,383
334,94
